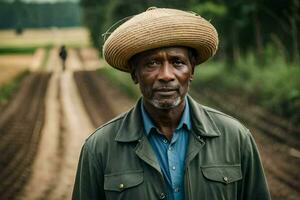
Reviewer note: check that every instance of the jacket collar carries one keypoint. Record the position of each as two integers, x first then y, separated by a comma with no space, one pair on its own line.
131,128
202,122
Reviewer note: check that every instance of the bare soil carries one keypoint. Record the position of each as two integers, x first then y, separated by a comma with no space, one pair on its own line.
67,125
21,122
12,65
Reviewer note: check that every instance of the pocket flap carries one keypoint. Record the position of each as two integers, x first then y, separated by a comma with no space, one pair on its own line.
224,174
123,180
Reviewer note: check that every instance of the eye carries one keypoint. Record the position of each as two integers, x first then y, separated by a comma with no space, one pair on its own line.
178,62
153,63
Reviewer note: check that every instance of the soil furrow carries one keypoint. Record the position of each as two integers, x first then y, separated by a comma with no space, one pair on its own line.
20,147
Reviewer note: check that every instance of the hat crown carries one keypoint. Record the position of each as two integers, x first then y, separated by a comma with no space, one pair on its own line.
160,27
153,13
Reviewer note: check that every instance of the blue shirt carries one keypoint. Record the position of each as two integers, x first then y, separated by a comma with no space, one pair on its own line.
170,155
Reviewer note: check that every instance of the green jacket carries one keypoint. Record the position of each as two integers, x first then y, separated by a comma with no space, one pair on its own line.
222,161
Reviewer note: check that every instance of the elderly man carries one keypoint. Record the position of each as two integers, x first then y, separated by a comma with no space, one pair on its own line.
168,146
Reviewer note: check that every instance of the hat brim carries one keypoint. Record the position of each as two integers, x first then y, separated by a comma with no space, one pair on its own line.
176,29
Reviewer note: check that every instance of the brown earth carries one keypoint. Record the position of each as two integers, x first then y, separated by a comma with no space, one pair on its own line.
67,124
44,125
12,65
21,122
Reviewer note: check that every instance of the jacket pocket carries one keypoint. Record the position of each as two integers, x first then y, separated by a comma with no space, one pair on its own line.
121,181
222,173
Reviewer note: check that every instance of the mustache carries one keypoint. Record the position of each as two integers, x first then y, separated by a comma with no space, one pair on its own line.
165,87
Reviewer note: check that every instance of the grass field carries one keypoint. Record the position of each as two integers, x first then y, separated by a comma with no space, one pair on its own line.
75,37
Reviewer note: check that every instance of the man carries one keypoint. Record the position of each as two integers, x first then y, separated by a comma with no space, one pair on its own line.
63,56
168,146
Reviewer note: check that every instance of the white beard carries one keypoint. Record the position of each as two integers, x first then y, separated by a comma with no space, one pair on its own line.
166,105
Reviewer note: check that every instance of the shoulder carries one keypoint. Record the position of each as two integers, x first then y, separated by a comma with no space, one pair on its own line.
224,121
105,134
217,123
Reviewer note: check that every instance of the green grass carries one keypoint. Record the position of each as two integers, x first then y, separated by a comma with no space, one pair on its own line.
10,87
31,49
17,50
22,49
121,80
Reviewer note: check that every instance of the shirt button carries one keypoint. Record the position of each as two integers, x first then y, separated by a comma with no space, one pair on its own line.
165,141
121,186
173,167
225,178
170,148
176,190
162,196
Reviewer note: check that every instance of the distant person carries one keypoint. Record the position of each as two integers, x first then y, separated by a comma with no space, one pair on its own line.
168,146
63,56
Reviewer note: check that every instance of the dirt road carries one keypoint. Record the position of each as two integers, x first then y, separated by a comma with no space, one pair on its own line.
66,127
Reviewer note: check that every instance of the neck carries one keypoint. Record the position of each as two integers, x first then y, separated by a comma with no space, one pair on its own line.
166,120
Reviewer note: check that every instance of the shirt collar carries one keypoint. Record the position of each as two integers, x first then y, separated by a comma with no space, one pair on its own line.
184,120
131,128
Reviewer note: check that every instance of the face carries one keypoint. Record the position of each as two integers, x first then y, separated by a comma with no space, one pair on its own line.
163,75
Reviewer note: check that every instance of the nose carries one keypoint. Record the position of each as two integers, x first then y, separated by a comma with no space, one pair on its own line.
166,73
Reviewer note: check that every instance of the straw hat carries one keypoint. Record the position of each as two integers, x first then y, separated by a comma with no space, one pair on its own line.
160,27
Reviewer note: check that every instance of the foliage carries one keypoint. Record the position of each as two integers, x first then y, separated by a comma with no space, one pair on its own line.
7,89
210,9
243,25
275,86
21,15
17,50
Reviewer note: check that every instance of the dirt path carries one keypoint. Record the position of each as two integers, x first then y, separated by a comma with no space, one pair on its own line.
66,127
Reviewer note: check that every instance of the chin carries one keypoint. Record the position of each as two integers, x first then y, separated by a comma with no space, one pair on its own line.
166,104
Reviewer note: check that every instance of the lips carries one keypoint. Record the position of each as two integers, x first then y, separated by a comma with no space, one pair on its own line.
165,91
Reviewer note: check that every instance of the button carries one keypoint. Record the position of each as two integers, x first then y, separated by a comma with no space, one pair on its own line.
165,141
225,178
139,140
176,189
173,167
162,196
170,148
121,186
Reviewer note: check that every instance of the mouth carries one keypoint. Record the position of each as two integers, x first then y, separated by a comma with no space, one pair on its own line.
165,91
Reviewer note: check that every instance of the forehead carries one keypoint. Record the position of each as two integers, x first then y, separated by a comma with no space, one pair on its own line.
170,51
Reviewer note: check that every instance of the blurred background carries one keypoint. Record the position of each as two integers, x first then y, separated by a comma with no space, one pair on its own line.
55,88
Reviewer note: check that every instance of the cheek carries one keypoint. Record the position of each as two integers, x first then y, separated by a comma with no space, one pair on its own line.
184,79
145,86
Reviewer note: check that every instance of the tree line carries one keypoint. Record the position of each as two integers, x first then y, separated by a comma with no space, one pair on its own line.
260,26
19,15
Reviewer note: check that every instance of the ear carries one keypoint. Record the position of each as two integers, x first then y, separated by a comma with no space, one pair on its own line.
134,77
192,74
